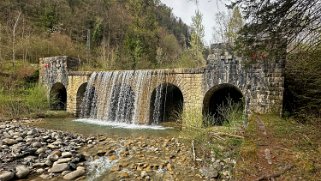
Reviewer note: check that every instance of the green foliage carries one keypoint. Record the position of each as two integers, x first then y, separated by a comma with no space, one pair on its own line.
36,99
197,36
121,34
19,103
303,84
272,25
229,114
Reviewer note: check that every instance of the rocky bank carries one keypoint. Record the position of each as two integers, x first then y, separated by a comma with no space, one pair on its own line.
39,154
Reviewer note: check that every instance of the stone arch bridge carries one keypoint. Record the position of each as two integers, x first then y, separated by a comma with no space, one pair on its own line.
199,90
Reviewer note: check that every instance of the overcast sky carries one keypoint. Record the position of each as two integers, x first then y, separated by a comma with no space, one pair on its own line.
185,9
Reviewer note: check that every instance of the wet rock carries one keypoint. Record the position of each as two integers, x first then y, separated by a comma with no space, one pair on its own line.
56,168
75,174
6,175
22,171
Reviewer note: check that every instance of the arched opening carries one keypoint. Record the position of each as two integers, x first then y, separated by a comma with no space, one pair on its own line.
166,104
221,103
121,108
79,99
58,97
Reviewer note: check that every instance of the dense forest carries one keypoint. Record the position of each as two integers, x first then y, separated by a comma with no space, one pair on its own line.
104,34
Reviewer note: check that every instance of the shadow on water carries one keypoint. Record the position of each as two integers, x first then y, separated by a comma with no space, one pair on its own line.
86,129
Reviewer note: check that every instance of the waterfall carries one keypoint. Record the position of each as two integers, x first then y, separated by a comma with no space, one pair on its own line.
124,96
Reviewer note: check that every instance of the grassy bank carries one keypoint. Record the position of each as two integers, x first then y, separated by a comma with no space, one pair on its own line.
212,144
20,94
294,150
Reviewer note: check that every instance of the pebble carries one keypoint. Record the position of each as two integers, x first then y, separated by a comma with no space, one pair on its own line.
75,174
8,141
62,160
56,168
56,154
40,170
22,171
66,155
6,175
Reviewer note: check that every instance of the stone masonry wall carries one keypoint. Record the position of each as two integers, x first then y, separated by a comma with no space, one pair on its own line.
261,84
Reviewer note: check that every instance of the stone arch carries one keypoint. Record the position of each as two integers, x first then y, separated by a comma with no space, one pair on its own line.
166,103
218,97
121,109
79,97
58,97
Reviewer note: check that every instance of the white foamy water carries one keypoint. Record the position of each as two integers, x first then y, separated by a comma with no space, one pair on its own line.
120,124
98,167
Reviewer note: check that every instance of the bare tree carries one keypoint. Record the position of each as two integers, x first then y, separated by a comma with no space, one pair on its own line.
14,39
220,30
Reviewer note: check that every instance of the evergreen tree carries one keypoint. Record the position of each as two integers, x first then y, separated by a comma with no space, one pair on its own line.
197,36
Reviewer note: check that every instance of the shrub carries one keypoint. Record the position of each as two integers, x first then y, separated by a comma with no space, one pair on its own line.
228,114
23,103
36,99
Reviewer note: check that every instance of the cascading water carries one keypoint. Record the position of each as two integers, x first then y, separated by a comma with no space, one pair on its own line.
117,96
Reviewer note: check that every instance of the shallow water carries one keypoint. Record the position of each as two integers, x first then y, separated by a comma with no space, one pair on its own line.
89,127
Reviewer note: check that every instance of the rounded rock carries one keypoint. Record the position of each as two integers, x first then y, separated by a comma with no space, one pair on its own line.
75,174
22,171
6,175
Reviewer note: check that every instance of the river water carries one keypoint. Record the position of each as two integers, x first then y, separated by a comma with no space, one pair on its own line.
89,127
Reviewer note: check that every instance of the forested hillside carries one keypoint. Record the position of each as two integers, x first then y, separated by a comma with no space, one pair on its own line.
104,34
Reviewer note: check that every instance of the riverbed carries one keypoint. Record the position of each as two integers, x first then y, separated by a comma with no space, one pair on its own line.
62,148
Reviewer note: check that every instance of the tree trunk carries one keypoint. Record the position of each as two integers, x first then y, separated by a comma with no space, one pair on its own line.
14,39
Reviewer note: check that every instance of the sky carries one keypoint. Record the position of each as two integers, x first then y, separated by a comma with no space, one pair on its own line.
185,9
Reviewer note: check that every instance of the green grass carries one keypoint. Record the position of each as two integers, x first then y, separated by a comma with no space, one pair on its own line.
290,142
222,141
23,103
